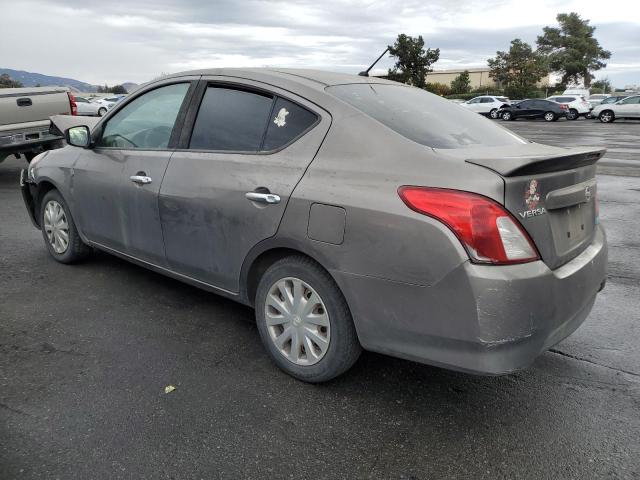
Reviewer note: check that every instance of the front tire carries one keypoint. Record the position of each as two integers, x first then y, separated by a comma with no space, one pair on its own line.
102,111
304,321
549,117
59,230
606,116
506,116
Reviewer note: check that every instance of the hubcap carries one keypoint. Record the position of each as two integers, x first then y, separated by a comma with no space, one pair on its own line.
605,117
297,321
549,116
56,226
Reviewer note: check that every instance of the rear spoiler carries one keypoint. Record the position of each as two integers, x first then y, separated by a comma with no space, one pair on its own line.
529,165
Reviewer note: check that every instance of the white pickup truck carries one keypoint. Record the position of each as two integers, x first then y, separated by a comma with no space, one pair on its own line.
24,119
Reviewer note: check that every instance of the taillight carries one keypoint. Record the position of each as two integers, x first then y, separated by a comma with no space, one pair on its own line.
564,107
487,231
72,102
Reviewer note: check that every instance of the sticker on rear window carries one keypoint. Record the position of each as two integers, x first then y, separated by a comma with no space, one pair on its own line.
279,120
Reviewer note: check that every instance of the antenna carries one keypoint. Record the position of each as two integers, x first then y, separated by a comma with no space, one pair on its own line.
365,73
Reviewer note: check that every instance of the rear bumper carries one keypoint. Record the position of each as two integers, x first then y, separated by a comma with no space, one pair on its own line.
479,319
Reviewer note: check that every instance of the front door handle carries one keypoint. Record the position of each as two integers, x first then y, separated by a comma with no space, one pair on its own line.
140,179
269,198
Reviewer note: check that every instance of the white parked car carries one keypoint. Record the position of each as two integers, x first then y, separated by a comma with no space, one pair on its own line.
106,103
577,105
597,98
86,107
626,108
580,92
486,105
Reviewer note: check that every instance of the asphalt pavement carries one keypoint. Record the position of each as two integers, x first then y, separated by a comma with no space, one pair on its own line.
86,352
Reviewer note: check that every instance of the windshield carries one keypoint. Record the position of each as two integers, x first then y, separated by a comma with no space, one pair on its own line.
424,117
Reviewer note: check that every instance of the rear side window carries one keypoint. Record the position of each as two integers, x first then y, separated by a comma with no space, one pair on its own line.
487,100
288,121
231,120
424,117
631,101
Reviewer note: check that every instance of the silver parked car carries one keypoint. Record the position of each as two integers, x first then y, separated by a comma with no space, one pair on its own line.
350,212
628,107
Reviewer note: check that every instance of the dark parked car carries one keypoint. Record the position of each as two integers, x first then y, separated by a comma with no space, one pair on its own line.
350,212
536,108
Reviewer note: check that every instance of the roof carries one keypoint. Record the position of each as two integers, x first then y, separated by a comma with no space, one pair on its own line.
308,77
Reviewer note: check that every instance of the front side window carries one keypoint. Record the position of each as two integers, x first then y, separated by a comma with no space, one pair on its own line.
147,121
231,120
487,100
423,117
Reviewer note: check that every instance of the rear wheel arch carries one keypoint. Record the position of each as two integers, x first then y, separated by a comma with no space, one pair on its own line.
259,261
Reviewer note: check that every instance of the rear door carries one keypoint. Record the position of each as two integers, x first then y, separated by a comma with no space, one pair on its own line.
244,148
629,108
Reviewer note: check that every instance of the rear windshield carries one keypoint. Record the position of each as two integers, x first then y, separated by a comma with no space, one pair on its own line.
424,117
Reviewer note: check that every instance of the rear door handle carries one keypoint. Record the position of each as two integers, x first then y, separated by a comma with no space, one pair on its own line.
268,198
140,179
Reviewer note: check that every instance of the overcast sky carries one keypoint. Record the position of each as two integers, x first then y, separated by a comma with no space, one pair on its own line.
99,41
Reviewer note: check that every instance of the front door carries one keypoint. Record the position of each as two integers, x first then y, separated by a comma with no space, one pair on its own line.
116,183
227,188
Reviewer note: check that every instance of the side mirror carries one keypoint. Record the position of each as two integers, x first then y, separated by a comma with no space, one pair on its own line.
79,136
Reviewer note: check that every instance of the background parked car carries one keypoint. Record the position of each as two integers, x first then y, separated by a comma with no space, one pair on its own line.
536,108
86,107
578,106
582,92
612,99
106,103
628,107
487,105
24,119
597,98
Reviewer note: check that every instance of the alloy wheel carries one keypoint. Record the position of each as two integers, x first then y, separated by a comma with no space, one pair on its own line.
297,321
549,116
494,113
606,117
56,226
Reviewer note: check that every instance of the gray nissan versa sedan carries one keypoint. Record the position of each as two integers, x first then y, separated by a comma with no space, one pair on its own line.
350,212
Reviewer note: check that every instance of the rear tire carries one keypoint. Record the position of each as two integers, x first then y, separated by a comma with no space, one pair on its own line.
59,230
494,113
102,111
304,321
550,117
573,114
607,116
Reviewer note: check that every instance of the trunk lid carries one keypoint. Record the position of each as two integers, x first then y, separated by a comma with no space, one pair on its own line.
551,191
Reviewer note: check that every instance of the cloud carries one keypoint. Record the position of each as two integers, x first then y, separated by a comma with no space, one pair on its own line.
137,40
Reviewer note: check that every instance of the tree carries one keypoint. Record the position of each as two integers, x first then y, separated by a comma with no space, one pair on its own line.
603,85
572,49
413,61
438,88
118,90
518,70
461,84
7,82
